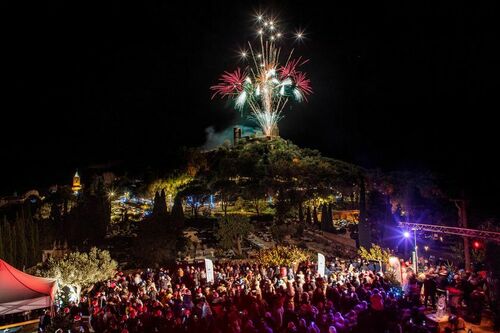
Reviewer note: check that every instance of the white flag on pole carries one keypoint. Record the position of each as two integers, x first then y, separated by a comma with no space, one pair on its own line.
321,264
209,269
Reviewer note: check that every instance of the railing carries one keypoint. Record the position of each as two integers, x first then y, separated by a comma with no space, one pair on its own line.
464,232
24,323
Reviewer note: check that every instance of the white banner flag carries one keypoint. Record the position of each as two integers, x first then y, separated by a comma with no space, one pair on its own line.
209,269
321,264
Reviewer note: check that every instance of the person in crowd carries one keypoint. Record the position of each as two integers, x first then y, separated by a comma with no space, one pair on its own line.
430,287
45,321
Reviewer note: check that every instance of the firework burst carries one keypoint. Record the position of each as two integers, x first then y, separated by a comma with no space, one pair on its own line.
269,81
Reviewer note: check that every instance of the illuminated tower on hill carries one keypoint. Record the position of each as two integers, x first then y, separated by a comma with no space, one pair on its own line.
76,183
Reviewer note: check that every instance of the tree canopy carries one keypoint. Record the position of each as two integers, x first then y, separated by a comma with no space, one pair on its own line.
375,253
232,229
170,185
80,269
285,256
259,169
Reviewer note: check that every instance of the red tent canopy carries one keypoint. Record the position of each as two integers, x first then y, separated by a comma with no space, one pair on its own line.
23,292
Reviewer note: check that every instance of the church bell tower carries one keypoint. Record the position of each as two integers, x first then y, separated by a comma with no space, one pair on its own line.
76,184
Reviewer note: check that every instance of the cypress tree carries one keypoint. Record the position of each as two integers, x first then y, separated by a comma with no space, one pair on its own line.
364,229
315,216
324,218
2,253
30,236
308,216
301,213
330,215
163,202
163,205
177,213
22,249
7,238
55,212
14,246
36,231
156,202
160,212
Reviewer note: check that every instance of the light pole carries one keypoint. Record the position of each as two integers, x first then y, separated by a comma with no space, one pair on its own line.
416,250
406,234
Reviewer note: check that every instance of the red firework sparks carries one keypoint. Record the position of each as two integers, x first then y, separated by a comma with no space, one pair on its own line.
290,69
229,83
303,83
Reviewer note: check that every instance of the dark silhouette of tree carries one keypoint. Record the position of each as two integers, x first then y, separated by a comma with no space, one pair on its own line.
226,191
160,239
160,210
196,194
163,203
376,214
325,220
8,243
315,217
156,204
157,244
330,215
21,246
177,215
301,213
308,216
89,220
254,191
33,247
2,251
55,212
14,246
364,229
231,231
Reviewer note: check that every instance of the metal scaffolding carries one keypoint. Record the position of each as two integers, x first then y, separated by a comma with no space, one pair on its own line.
464,232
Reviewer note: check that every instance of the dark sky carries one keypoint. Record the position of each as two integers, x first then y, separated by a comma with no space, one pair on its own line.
395,86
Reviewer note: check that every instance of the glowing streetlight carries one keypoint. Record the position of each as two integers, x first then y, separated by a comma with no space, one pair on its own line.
407,235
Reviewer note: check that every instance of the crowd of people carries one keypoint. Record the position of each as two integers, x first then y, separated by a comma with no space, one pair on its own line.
251,298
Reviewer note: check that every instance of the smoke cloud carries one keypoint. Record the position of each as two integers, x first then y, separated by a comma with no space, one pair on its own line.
215,139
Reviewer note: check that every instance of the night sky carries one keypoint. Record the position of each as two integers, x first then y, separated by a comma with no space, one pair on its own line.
401,86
